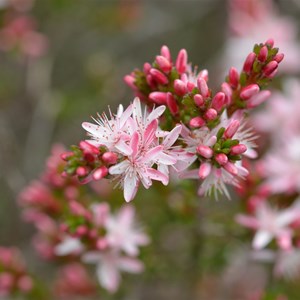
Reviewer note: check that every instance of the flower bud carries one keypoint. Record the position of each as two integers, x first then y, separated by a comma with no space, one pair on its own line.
238,149
279,57
263,54
249,62
221,159
205,151
172,104
270,43
218,101
180,87
81,171
270,68
197,122
249,91
204,170
163,63
198,99
165,52
211,114
203,88
158,97
233,77
130,80
100,173
158,76
232,129
109,158
181,61
146,68
231,168
203,74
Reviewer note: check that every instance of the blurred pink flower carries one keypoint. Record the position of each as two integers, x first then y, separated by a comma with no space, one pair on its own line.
270,223
252,21
109,264
122,233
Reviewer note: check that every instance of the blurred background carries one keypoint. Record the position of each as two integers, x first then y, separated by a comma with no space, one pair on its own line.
74,68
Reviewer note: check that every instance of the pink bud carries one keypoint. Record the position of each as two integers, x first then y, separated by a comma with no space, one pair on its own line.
197,122
163,63
181,61
89,148
180,87
159,76
273,74
226,89
100,173
190,86
109,158
221,159
130,81
151,82
102,244
279,57
147,67
233,77
165,52
203,88
203,74
172,104
238,149
211,114
258,99
270,68
231,168
249,91
232,129
66,155
205,151
158,97
81,230
218,101
198,99
81,171
204,170
249,62
263,54
270,43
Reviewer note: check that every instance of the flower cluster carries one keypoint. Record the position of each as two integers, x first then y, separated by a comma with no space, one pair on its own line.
70,224
14,277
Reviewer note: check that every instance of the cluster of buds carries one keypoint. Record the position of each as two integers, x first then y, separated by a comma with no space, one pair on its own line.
14,278
259,68
221,151
88,162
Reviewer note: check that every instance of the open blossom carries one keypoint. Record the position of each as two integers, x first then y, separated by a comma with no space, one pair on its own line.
135,137
282,167
111,132
122,233
109,264
270,223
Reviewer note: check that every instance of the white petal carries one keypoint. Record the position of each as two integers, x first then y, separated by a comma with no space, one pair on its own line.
108,276
130,187
261,239
68,246
172,137
123,147
155,114
120,168
131,265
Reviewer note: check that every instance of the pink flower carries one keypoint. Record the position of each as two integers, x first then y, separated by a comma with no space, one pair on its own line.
109,265
282,167
122,233
270,223
111,133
